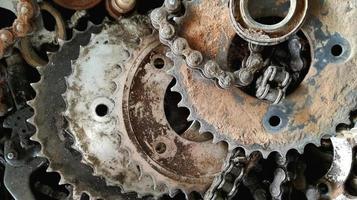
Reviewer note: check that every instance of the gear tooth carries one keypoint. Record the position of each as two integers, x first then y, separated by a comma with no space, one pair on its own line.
61,42
34,138
62,181
265,154
93,36
300,150
66,114
30,103
190,117
90,23
181,104
49,169
73,62
231,145
175,88
31,120
81,48
34,86
215,139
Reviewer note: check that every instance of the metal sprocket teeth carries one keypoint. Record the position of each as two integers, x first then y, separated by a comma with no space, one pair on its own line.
96,82
51,127
115,112
314,109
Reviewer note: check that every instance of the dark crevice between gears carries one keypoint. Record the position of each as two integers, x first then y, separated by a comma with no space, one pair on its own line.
45,185
302,170
176,116
144,7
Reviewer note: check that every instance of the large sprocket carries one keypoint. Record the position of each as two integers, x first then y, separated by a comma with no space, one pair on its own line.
101,86
116,114
51,126
323,100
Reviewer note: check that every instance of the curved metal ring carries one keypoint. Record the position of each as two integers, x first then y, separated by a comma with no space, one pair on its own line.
262,34
25,46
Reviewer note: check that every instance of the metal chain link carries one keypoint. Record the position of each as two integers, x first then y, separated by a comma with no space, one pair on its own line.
26,11
161,20
225,186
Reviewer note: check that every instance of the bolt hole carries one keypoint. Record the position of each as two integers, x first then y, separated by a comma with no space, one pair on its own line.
323,188
101,110
336,50
274,121
160,148
159,63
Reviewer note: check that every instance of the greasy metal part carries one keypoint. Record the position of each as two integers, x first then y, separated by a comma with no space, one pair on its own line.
5,102
26,45
263,34
51,125
331,185
131,144
117,8
17,178
17,81
314,109
26,11
77,4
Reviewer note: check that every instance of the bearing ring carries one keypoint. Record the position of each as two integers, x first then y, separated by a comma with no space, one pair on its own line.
262,34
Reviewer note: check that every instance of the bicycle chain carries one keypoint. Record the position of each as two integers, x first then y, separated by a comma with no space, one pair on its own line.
22,26
162,19
225,185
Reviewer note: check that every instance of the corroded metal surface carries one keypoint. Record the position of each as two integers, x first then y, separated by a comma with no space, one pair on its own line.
132,145
26,11
25,45
51,125
323,100
263,34
117,8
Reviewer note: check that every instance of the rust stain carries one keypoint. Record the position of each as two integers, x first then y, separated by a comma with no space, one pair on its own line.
315,108
205,25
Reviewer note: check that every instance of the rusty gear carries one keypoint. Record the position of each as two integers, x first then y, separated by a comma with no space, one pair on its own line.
129,95
54,138
110,136
242,120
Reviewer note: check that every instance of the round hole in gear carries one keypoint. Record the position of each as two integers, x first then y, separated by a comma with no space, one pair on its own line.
101,110
160,148
336,50
274,121
277,55
158,63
